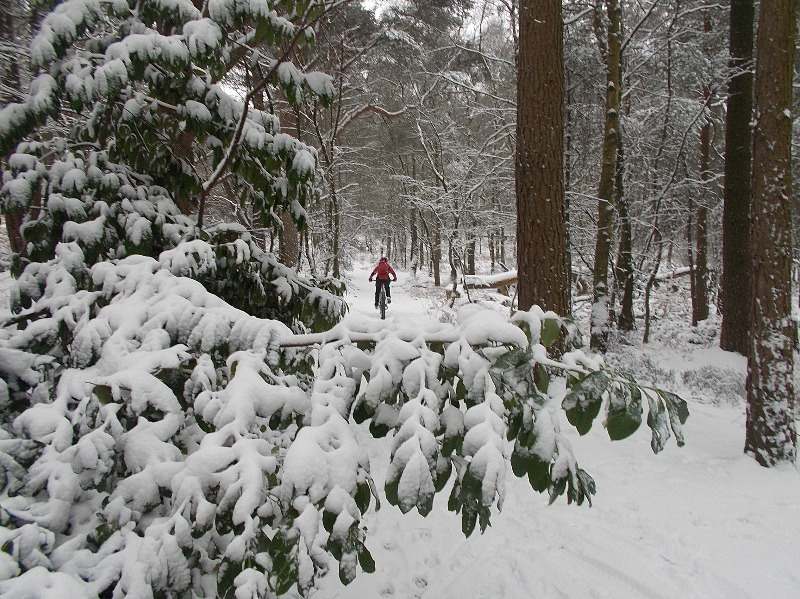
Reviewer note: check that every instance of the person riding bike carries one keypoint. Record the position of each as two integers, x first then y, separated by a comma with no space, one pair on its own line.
381,275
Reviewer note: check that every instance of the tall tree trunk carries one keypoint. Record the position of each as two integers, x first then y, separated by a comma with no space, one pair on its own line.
436,251
491,251
736,258
568,125
336,237
651,280
539,168
290,236
503,245
624,274
771,436
699,273
605,192
470,265
412,226
625,281
11,78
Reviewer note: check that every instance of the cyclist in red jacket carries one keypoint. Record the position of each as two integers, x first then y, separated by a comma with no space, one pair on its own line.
381,275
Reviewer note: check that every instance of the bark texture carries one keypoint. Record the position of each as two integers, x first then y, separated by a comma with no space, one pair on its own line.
736,259
605,192
541,224
771,436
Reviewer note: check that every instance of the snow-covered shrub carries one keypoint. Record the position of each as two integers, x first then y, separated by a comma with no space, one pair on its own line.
156,441
718,385
151,119
168,427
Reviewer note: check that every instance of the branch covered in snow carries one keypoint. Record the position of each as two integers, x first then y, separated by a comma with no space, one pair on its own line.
155,439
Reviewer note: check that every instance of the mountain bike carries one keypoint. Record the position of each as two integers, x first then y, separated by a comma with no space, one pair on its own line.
382,302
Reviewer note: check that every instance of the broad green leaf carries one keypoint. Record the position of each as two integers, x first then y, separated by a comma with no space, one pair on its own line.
512,359
581,487
541,377
557,488
538,473
469,517
624,411
365,559
347,567
285,578
582,403
390,489
658,421
362,497
328,520
551,331
103,394
363,410
483,519
444,468
678,411
520,459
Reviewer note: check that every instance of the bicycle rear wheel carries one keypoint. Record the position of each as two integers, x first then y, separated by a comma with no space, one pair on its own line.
382,303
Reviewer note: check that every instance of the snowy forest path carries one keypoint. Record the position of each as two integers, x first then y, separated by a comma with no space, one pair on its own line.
408,301
686,522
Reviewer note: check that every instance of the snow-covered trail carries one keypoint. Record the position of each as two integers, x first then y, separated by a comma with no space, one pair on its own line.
702,521
407,304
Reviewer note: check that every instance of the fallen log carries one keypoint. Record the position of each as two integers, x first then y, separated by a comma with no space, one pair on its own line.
500,281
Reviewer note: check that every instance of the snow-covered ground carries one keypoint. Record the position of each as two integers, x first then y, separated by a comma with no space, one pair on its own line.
702,521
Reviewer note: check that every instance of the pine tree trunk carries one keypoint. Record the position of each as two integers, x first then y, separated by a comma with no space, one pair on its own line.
736,259
541,224
770,430
605,214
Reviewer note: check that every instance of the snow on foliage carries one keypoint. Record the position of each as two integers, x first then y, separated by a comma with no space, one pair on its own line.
170,423
126,88
155,439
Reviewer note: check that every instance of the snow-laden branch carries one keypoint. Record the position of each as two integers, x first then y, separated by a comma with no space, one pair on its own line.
353,114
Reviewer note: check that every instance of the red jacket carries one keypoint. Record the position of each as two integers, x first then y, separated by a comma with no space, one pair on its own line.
382,271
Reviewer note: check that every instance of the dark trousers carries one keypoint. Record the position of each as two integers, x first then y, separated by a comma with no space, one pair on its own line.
378,284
